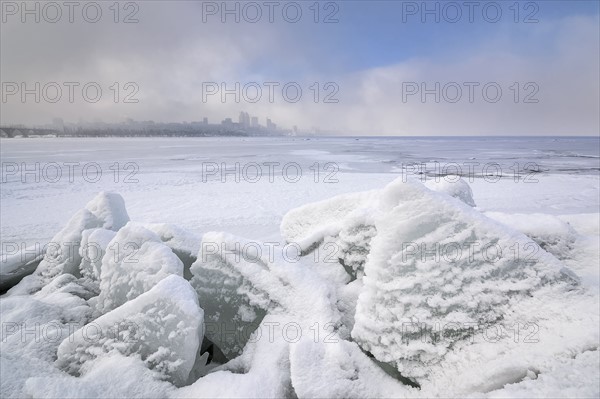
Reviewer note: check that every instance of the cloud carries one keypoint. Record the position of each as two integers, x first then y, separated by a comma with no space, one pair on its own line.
171,52
556,92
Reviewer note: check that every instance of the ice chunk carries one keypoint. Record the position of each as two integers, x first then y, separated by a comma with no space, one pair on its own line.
136,260
109,209
163,326
183,243
238,281
310,224
233,305
434,264
106,210
344,223
453,186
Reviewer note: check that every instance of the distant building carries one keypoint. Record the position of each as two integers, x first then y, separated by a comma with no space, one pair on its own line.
255,122
205,121
244,119
227,122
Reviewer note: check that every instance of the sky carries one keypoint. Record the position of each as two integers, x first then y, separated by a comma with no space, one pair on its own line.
343,67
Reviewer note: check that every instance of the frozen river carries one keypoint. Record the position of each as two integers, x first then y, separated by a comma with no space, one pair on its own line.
245,185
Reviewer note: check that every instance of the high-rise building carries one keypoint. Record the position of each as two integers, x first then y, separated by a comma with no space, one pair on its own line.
244,119
255,122
205,121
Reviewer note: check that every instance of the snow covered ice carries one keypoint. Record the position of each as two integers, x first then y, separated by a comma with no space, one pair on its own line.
417,271
163,326
395,286
136,261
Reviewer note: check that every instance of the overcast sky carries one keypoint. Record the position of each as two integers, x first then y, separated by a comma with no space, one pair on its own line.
487,68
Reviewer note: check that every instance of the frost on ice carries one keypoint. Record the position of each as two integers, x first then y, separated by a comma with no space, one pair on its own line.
437,263
163,326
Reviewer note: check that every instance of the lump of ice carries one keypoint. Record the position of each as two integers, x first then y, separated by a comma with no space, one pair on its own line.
223,278
109,209
163,327
135,261
453,186
106,210
431,271
239,281
183,243
310,224
344,223
437,270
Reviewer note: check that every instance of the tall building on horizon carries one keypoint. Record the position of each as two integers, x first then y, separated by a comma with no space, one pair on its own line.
244,119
